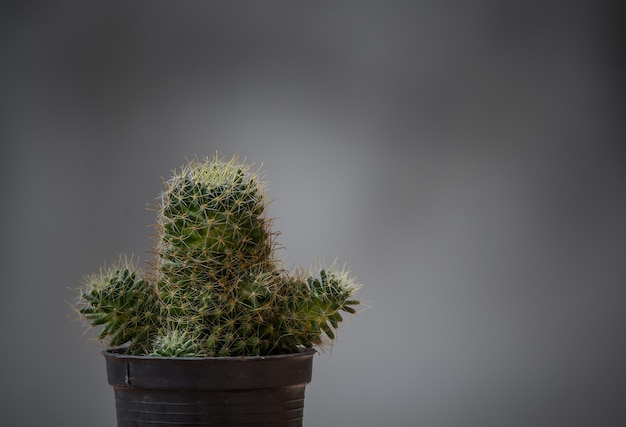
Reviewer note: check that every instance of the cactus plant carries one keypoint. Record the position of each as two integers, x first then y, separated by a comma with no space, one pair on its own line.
215,286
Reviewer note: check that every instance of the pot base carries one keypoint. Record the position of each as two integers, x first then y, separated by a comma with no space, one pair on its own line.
268,407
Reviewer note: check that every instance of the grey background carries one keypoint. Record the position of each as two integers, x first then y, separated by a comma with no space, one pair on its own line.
465,159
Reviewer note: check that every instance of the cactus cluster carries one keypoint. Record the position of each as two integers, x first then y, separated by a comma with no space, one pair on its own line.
215,286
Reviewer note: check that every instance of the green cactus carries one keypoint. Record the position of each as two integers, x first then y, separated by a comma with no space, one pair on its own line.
216,287
125,303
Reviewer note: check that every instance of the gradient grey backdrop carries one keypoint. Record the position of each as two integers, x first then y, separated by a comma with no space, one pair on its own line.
465,159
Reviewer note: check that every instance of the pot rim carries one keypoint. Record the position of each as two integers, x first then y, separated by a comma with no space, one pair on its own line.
118,353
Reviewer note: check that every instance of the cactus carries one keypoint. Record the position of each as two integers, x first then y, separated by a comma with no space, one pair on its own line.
215,286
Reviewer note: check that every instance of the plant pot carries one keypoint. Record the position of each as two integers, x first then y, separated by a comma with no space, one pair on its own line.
209,391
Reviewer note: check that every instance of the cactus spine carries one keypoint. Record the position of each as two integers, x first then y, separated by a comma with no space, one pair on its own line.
216,287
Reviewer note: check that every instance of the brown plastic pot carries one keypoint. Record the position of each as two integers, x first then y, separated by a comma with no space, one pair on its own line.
209,391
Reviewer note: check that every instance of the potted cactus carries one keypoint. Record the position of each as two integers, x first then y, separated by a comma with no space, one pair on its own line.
214,331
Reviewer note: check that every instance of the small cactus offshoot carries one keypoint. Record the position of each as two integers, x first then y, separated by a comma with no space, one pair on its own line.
216,286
